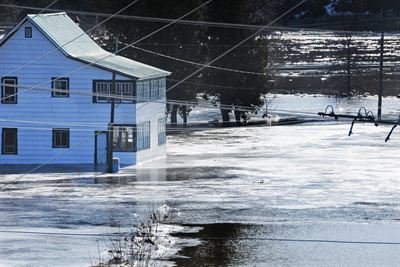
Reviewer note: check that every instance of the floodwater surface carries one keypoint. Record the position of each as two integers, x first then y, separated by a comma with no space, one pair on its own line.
256,196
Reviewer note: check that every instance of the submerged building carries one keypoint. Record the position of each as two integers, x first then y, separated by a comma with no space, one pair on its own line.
55,98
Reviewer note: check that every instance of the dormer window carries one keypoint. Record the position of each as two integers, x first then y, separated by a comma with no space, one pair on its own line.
28,32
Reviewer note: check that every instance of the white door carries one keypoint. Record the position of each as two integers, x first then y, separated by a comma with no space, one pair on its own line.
101,149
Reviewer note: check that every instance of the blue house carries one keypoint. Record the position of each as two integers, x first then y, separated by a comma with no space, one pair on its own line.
55,98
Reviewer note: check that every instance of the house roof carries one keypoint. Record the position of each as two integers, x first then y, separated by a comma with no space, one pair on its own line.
60,29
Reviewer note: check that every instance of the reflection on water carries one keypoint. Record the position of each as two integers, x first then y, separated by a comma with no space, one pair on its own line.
308,181
231,244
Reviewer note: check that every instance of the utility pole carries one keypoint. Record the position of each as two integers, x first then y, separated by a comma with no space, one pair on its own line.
110,146
381,72
348,40
116,43
111,126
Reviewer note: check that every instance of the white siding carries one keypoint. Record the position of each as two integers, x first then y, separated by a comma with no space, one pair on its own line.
35,146
151,111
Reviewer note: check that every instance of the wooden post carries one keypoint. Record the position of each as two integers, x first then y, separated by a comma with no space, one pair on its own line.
380,79
348,40
111,126
381,69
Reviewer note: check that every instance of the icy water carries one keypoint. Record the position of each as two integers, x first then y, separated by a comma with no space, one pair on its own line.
260,196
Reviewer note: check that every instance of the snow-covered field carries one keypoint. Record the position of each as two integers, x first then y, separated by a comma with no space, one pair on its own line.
308,181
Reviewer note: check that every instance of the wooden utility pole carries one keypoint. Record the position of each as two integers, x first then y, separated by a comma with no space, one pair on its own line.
348,40
380,79
381,70
111,126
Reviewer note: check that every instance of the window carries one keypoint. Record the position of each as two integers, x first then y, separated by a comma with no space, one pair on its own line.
60,87
28,32
163,87
9,141
151,90
146,90
154,93
102,92
162,138
143,136
143,91
140,92
124,91
9,90
60,138
123,139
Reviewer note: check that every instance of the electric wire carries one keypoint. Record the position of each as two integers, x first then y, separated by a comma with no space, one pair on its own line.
117,51
141,100
210,238
237,45
310,27
195,63
77,37
85,66
251,109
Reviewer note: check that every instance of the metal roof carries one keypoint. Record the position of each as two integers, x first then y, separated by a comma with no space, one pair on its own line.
60,29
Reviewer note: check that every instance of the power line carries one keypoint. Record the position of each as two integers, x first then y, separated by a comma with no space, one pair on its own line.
85,139
288,68
195,63
160,101
202,23
85,66
213,238
238,44
116,52
77,37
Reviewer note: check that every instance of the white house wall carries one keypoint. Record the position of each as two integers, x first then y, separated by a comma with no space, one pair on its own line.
35,145
151,111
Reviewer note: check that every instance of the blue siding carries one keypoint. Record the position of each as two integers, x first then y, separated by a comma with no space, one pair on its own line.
38,105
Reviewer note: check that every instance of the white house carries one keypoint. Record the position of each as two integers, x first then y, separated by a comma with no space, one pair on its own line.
55,83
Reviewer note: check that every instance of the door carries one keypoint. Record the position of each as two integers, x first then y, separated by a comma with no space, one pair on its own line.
101,148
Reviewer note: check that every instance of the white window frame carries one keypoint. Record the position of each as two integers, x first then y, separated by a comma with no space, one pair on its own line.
143,131
162,131
123,133
102,97
57,81
4,98
124,91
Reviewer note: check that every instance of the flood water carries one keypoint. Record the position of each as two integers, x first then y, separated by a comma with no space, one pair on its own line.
255,196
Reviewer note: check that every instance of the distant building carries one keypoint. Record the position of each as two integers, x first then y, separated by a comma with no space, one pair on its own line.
69,110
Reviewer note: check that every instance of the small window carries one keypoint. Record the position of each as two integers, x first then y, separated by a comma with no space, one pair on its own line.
123,139
162,83
9,90
28,32
9,141
60,138
143,136
146,90
140,92
162,138
102,91
59,87
126,92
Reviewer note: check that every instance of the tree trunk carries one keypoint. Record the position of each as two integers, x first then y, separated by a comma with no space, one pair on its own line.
237,116
184,114
225,115
174,112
